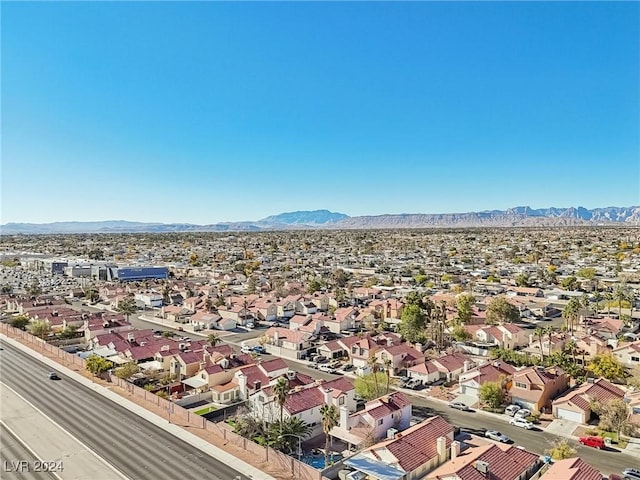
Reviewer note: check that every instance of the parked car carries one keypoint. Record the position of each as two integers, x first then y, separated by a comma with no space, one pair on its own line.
522,413
348,367
631,474
591,441
511,410
497,436
259,349
250,325
246,349
53,376
327,368
460,406
521,422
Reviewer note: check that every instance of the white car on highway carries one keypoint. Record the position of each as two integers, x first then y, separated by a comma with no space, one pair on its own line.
521,422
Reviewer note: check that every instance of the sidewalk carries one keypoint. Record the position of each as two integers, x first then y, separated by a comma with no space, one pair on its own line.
203,440
562,428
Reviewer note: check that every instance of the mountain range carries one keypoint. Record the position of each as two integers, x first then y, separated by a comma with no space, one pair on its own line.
324,219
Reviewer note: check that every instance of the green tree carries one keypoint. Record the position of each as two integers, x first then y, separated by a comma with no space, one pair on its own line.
569,283
571,313
368,386
588,273
499,310
92,294
287,434
314,286
613,415
622,294
607,366
464,307
97,365
70,331
34,289
412,323
460,334
280,392
127,370
40,329
19,321
561,449
127,306
213,339
492,394
523,280
330,417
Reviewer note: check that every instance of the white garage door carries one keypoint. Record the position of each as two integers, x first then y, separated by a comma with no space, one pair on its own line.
569,415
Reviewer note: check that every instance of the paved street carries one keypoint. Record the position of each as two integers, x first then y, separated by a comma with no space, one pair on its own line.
134,446
13,451
477,422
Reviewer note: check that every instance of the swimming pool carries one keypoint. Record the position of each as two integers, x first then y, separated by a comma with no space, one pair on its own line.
317,461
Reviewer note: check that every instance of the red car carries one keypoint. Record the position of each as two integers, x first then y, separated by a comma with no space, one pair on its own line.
595,442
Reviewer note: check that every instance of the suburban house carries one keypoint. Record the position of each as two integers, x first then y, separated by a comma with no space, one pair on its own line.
175,313
536,387
235,312
398,357
408,455
451,366
370,425
346,317
571,469
287,343
504,462
471,380
426,372
304,401
553,343
629,354
507,335
389,308
202,320
265,309
576,404
608,328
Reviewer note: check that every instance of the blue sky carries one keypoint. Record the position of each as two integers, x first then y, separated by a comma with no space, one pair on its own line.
203,111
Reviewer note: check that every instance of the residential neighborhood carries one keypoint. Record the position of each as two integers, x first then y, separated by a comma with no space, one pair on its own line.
328,349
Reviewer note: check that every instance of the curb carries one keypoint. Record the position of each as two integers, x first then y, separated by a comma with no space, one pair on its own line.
193,440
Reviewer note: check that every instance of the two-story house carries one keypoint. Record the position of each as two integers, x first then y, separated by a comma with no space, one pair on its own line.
287,343
536,387
370,425
408,455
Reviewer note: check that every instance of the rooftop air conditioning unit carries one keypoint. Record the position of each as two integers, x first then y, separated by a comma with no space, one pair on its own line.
482,467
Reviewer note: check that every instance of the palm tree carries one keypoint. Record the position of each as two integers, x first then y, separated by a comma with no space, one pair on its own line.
388,364
330,417
539,332
280,391
571,312
571,346
373,363
213,339
622,293
127,306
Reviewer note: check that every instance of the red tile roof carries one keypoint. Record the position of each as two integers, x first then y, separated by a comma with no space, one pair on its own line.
303,400
507,464
417,445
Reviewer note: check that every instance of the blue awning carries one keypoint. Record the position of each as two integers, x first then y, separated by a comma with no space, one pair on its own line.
374,468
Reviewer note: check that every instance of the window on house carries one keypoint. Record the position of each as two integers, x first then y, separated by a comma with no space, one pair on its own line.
380,422
521,385
261,399
383,356
635,359
341,401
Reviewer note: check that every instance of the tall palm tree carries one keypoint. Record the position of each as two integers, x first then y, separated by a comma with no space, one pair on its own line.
571,312
280,391
372,362
213,339
539,332
388,364
330,418
571,347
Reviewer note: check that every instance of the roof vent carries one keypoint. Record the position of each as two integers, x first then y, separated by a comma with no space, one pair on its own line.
482,467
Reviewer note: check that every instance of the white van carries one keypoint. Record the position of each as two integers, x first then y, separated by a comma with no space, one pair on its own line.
246,349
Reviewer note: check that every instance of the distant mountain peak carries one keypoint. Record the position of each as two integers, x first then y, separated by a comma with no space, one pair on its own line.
304,217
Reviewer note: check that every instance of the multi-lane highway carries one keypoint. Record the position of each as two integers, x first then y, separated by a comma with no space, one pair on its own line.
137,448
17,461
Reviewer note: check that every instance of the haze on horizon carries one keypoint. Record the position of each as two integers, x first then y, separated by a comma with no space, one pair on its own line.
204,112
